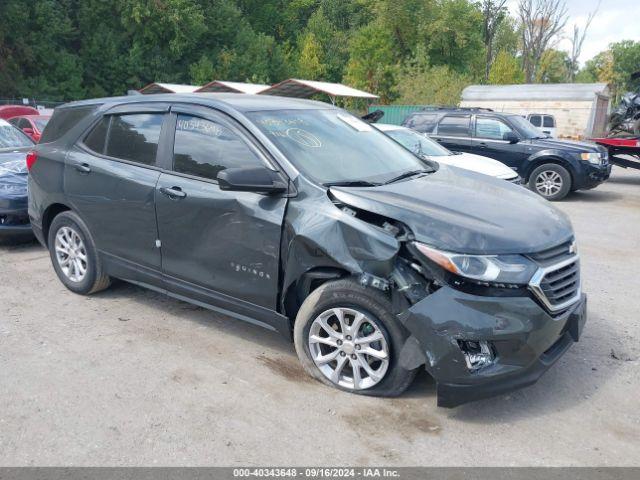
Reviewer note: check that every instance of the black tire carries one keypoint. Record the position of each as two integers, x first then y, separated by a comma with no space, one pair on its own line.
94,279
350,294
556,171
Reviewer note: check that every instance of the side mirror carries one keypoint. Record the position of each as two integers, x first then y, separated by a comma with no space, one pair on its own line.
510,137
28,130
251,179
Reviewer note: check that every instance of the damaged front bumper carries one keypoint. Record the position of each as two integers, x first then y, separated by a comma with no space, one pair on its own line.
524,339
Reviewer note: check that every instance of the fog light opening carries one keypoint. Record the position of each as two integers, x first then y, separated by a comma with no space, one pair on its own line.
477,354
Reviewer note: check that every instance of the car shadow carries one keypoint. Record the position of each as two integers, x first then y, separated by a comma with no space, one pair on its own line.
591,196
199,315
9,245
626,180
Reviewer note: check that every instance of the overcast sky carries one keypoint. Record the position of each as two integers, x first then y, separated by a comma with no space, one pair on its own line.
616,20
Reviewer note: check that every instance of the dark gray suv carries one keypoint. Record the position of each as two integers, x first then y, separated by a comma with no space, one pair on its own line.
298,217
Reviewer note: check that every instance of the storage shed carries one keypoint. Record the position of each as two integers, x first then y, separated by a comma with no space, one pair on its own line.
233,87
580,109
295,87
168,88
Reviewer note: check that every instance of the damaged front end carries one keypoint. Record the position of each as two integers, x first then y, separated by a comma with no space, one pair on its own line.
473,321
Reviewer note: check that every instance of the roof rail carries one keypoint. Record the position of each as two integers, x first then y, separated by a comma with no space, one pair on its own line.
461,109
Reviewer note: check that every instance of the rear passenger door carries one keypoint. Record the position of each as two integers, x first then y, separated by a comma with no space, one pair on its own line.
110,179
454,132
219,247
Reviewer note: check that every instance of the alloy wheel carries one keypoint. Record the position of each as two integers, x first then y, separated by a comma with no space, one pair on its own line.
548,183
71,254
349,348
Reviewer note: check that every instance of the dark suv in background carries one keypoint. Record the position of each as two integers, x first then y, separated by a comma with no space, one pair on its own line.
303,219
551,168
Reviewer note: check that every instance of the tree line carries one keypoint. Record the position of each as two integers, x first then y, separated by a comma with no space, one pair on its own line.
406,51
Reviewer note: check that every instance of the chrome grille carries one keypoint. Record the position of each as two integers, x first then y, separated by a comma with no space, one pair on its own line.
557,286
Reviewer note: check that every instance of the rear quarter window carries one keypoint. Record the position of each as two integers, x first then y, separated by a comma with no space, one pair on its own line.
421,122
63,120
548,121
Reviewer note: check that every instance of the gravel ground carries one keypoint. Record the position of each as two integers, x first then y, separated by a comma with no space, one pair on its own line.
130,377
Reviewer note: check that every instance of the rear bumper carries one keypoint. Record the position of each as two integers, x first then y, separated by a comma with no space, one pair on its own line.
526,341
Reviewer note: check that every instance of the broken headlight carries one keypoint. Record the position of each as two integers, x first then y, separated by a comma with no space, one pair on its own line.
494,269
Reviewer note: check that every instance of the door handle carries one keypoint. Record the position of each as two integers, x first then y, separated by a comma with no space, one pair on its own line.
82,167
174,193
482,144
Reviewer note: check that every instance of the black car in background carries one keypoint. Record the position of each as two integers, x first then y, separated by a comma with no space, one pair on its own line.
301,218
551,168
14,147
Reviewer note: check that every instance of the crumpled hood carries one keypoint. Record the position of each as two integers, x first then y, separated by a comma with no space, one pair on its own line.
462,211
477,163
13,174
566,145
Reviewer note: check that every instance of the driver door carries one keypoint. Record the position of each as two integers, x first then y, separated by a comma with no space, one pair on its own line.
488,141
218,247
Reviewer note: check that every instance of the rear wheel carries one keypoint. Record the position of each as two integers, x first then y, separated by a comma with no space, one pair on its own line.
550,181
346,337
74,255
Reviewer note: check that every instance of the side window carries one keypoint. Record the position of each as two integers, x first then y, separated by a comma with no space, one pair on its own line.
548,121
491,128
454,125
95,140
203,148
14,121
422,123
535,120
135,137
23,123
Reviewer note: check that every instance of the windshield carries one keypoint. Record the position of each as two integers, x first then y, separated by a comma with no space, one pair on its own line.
11,137
332,146
526,128
418,143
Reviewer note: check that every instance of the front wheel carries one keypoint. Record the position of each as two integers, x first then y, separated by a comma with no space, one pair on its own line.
550,181
346,337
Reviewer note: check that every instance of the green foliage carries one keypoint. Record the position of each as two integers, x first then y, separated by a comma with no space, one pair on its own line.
420,83
371,64
453,36
614,66
410,50
506,70
310,61
554,67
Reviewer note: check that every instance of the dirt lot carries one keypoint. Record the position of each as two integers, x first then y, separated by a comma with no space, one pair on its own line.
130,377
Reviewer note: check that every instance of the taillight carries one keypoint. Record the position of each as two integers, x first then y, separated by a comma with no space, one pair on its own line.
32,158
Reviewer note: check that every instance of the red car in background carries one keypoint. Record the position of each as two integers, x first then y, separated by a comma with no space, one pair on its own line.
10,111
31,125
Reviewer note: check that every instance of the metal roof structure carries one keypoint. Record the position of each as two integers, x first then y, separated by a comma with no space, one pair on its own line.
232,87
297,88
536,91
168,88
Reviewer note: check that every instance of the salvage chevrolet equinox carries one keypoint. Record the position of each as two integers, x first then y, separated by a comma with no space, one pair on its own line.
303,219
